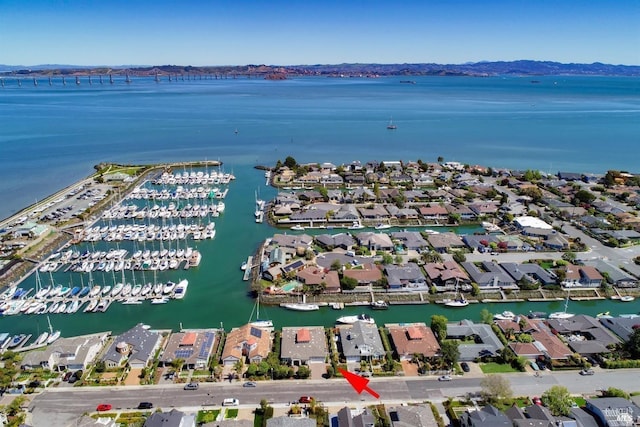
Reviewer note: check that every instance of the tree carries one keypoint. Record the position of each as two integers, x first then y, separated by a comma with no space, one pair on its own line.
558,400
439,326
290,162
336,265
348,283
615,392
633,344
569,256
398,259
584,197
303,372
387,258
440,159
450,351
459,256
486,316
495,387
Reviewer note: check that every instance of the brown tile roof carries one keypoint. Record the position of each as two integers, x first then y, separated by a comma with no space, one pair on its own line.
247,341
414,338
314,275
369,273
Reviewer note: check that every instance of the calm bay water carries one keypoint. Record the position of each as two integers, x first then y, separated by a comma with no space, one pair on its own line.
52,136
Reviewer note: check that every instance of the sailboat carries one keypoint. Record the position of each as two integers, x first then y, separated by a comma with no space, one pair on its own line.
260,323
52,335
562,314
301,306
391,126
459,301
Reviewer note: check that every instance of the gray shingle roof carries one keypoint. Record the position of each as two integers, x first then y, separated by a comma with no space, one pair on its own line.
361,340
142,341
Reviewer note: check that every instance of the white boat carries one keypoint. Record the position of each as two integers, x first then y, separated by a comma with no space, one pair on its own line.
95,291
146,289
505,315
132,300
382,226
300,306
73,307
91,306
260,323
136,290
562,314
52,335
627,298
117,289
357,225
42,338
243,267
458,302
181,289
106,290
297,227
168,287
379,305
349,320
161,300
157,288
126,290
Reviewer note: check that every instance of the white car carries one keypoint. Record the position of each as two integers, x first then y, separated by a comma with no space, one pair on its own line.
445,378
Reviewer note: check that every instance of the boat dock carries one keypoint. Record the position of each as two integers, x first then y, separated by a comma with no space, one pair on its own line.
247,270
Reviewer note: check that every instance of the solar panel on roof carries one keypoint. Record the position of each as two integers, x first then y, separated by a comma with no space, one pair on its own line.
206,345
184,354
256,332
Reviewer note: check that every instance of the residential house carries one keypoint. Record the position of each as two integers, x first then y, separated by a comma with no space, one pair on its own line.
137,347
375,212
346,213
402,213
84,421
347,418
616,276
291,240
480,242
246,343
173,418
446,275
529,272
434,212
314,275
585,334
484,208
614,411
361,341
374,241
304,345
407,277
411,240
66,353
485,341
583,276
622,326
412,416
489,275
488,416
443,242
414,338
194,347
545,343
367,274
463,211
342,240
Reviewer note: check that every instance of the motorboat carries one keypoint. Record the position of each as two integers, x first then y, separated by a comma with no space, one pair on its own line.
297,227
505,315
382,226
180,289
348,320
627,298
160,300
379,305
357,225
168,287
461,301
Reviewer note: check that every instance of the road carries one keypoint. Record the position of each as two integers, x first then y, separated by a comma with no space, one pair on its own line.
336,392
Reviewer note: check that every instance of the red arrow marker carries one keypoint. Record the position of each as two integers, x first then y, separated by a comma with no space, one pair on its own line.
358,383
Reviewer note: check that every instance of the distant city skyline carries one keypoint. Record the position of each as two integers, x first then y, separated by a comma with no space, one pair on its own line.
200,32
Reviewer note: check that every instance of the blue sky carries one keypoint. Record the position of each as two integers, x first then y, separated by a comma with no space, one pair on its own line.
199,32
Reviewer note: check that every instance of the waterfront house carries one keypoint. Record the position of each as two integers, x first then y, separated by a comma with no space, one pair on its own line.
303,345
30,230
367,274
346,213
194,347
422,180
614,411
407,277
347,418
463,211
488,416
545,343
413,338
581,276
66,353
375,241
173,418
361,341
137,347
478,339
312,275
621,326
411,240
374,213
402,213
584,334
529,272
292,240
489,275
412,416
444,242
342,240
484,208
480,242
615,275
434,212
246,343
445,275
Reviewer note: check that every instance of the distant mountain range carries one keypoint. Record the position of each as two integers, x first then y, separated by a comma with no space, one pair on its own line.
521,67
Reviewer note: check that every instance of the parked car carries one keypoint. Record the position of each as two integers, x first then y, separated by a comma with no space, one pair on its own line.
250,384
537,401
67,376
230,402
103,407
191,386
465,366
305,399
587,372
145,405
445,378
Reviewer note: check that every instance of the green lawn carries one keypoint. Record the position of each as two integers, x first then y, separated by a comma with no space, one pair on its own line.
496,368
231,413
207,416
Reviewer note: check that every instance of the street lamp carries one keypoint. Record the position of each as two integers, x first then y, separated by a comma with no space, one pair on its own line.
271,369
